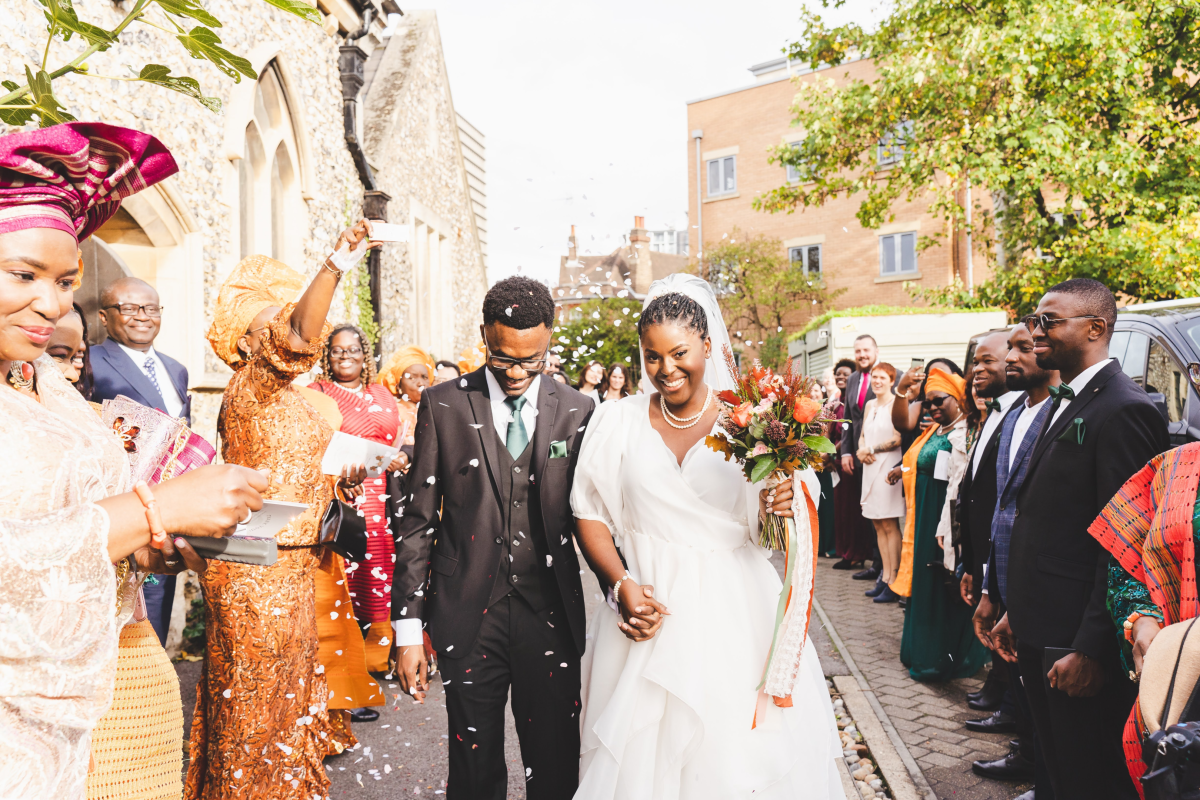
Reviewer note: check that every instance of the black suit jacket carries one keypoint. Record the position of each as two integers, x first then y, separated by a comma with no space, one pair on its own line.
1058,573
977,501
115,373
443,561
852,430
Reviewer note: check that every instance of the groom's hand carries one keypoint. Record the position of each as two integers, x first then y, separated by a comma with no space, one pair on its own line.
412,670
641,614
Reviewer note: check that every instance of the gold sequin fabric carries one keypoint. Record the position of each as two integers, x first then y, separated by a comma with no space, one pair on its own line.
138,745
58,632
261,727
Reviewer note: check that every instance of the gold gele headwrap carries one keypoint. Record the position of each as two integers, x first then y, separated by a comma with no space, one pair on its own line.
472,358
256,283
942,381
400,361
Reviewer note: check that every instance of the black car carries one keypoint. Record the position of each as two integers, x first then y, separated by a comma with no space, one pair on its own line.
1158,345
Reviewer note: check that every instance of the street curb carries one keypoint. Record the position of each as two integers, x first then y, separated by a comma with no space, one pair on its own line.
895,762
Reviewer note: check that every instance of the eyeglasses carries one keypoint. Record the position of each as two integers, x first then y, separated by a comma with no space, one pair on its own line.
530,365
1046,322
349,352
132,309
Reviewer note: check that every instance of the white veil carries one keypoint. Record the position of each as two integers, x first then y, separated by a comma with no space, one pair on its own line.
716,374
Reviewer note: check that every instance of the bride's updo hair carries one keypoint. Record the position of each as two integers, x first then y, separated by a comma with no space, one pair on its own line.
677,308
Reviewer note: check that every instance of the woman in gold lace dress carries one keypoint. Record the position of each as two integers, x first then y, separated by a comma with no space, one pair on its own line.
67,516
261,727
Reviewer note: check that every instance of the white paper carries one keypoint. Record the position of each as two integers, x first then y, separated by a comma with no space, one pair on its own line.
345,450
272,518
388,232
941,469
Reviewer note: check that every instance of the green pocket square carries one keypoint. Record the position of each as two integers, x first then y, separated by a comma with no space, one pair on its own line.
1073,432
558,450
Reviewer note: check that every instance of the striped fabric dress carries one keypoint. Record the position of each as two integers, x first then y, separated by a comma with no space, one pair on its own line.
372,414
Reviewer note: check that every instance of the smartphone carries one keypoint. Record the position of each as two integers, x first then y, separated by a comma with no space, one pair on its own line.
388,232
917,363
1053,654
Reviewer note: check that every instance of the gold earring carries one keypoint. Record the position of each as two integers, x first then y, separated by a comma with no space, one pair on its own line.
18,377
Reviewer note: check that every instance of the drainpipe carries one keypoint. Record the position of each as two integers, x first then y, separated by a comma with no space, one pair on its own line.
698,134
970,254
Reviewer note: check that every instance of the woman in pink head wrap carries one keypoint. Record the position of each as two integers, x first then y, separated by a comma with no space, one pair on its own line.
75,542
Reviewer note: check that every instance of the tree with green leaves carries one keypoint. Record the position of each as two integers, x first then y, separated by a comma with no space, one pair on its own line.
760,291
603,330
1078,117
186,20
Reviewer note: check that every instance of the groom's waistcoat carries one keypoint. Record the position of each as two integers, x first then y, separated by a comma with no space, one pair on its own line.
523,552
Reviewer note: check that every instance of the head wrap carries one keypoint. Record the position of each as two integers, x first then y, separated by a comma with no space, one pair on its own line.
942,381
256,283
73,177
472,358
400,361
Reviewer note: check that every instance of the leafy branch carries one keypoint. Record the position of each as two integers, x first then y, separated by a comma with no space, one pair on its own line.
190,23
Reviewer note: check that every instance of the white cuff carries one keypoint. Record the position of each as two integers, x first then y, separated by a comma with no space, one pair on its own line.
983,589
408,632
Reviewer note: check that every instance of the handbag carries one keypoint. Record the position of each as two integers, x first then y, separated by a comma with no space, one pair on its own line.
1170,707
344,531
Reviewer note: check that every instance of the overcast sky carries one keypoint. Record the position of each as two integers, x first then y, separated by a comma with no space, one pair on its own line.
583,104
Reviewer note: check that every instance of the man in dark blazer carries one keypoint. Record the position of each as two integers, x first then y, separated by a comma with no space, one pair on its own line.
127,364
1100,430
485,555
860,540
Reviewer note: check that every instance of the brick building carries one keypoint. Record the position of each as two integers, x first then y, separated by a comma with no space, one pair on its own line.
627,271
731,135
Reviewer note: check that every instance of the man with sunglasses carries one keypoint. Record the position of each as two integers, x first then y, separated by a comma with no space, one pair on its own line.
126,363
485,555
1099,430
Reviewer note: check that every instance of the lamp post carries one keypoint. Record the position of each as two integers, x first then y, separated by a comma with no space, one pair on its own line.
697,135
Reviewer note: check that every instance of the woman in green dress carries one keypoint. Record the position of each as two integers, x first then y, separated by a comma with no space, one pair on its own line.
939,643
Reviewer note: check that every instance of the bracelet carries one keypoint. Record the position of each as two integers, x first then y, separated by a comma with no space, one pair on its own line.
617,588
158,534
329,265
1128,624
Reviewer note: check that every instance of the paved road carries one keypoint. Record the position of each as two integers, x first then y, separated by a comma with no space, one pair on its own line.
929,716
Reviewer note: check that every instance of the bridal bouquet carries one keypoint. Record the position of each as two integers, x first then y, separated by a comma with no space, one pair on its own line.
776,430
773,427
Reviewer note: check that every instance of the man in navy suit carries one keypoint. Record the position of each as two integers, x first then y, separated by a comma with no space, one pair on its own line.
127,364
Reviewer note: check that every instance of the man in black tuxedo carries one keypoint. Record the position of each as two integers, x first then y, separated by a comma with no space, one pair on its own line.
494,576
856,544
1101,429
127,364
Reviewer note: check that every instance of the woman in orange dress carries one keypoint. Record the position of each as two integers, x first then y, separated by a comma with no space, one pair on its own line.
368,410
261,727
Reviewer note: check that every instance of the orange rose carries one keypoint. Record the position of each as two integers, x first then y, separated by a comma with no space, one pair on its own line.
741,414
806,410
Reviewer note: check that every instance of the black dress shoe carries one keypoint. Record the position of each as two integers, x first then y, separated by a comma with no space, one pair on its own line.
866,575
987,701
998,722
1013,767
844,564
364,715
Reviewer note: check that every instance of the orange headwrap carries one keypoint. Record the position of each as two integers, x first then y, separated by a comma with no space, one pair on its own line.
472,358
256,283
956,387
400,361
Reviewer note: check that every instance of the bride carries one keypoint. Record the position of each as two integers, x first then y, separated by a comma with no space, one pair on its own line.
670,685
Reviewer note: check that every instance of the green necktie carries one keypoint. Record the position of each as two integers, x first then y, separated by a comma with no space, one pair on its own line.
517,439
992,405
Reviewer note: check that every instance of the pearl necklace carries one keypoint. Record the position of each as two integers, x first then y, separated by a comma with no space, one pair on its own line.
684,422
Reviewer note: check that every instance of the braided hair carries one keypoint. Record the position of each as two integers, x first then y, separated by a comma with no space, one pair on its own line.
677,308
369,371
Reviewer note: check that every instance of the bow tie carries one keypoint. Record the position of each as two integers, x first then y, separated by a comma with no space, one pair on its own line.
992,405
1062,392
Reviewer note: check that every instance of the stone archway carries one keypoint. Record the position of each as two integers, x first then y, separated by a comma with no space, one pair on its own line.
101,266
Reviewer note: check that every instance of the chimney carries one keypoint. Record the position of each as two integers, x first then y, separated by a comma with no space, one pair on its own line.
571,250
639,243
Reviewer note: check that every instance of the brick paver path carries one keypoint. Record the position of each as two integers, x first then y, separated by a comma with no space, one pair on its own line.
928,716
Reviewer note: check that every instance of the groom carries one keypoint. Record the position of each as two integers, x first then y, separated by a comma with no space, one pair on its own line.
494,577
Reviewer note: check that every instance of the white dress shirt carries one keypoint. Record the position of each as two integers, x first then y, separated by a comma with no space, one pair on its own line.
989,427
170,396
409,631
1028,413
1079,384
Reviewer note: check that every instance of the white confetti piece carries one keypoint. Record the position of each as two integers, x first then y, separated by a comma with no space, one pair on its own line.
474,462
476,427
549,561
285,748
227,694
430,480
563,664
237,774
463,383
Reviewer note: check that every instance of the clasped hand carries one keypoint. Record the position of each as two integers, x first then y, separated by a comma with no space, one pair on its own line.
641,614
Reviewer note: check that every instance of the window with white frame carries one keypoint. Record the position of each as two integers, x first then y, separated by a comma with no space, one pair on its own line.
806,258
897,254
799,173
891,147
722,176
